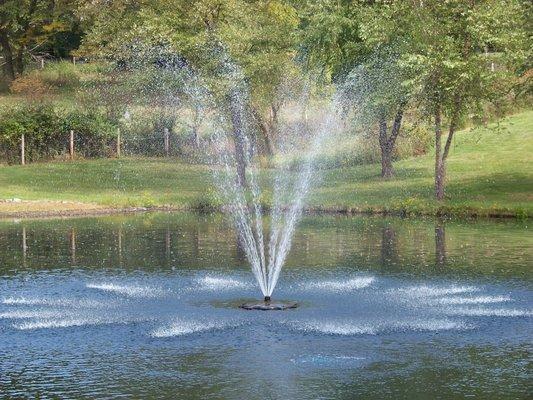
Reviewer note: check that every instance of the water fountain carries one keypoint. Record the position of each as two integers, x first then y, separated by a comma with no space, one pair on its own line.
237,175
232,150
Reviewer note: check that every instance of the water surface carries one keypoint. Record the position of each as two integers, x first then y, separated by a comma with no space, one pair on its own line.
145,307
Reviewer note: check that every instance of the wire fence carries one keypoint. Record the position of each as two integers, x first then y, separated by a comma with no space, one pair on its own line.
73,145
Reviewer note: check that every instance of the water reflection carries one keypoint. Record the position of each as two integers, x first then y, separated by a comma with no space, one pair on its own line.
168,241
389,247
440,243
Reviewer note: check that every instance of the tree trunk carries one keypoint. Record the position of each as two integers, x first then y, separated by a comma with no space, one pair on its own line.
196,127
439,170
19,60
440,177
386,162
441,156
196,136
387,142
266,129
386,150
9,67
273,128
238,138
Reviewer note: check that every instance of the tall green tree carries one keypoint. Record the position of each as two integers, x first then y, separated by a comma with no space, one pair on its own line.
467,55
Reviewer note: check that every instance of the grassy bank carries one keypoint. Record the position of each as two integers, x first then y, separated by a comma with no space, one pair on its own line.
489,174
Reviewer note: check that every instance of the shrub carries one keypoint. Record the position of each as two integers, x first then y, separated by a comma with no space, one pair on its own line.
94,133
46,132
40,127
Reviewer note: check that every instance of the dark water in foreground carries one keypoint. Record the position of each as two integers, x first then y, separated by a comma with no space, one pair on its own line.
144,307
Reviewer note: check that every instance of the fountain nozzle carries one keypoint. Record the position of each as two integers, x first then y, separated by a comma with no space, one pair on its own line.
267,299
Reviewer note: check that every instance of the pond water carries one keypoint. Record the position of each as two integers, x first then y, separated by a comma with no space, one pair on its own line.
145,306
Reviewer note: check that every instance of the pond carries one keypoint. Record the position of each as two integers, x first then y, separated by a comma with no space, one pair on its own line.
145,306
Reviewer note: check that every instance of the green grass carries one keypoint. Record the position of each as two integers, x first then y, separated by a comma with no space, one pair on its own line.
489,173
109,182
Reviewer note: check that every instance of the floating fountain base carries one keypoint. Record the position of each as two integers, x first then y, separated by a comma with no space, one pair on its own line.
269,305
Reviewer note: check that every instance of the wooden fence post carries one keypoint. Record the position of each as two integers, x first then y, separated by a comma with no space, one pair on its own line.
22,150
74,60
71,144
42,63
118,142
167,141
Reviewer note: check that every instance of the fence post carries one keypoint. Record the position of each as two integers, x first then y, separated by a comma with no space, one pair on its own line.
167,141
74,60
22,151
118,142
71,144
42,63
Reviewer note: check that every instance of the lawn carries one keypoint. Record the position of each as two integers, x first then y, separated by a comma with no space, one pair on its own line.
489,173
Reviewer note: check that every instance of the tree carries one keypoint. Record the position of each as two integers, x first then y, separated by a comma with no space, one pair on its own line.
357,45
454,73
378,92
27,25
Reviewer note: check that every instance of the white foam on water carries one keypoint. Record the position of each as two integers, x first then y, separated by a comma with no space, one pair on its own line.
431,325
59,323
334,328
349,328
219,283
24,314
433,291
474,300
182,327
342,285
74,320
54,302
127,290
489,312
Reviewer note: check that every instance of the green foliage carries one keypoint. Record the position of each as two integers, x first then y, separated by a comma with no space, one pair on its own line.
94,132
330,36
46,132
28,25
453,46
39,125
201,34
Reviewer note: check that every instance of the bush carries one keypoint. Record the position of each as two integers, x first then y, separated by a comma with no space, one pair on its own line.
46,132
95,134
